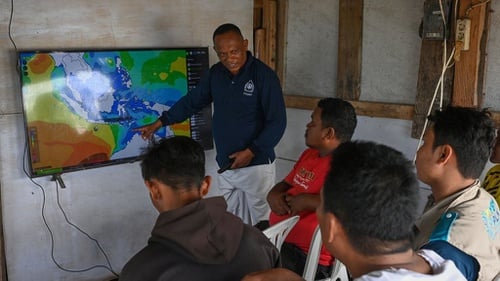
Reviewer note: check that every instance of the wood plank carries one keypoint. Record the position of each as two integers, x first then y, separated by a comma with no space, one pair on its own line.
260,44
465,91
281,29
257,14
269,14
371,109
481,76
350,49
429,73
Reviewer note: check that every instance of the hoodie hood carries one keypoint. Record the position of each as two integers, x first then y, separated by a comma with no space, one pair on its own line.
200,228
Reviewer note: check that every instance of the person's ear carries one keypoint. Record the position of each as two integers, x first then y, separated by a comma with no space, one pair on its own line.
245,44
205,186
330,228
330,133
445,153
154,189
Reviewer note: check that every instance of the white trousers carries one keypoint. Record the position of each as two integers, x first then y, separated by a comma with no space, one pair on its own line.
245,191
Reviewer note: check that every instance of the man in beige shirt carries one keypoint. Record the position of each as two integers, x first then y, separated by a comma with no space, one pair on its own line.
451,159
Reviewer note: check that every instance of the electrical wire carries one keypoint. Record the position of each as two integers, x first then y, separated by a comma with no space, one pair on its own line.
445,47
10,24
51,234
109,267
447,62
472,6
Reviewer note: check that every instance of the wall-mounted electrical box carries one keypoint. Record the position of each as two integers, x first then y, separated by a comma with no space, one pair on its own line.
433,27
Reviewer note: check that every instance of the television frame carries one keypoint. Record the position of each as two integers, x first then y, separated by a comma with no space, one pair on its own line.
157,65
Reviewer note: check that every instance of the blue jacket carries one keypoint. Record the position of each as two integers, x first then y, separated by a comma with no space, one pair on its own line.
249,110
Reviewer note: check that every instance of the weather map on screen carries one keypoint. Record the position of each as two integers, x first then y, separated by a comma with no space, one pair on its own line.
81,107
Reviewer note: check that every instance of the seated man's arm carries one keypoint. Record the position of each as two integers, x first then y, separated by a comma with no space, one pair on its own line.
276,199
275,274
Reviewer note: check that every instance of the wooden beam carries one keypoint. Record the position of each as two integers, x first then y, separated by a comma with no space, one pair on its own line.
269,22
350,49
465,90
282,17
431,67
429,73
481,76
259,48
371,109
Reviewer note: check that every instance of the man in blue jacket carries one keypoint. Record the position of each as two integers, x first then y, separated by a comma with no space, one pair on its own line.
248,122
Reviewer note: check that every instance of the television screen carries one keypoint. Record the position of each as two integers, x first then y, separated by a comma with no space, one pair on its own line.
80,107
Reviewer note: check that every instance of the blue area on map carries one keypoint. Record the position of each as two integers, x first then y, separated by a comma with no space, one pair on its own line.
97,87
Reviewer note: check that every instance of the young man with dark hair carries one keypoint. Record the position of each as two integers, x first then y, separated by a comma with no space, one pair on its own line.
193,239
368,206
332,122
456,147
249,120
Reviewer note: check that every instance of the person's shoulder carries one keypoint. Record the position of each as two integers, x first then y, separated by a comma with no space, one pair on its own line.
310,151
470,222
494,169
138,267
472,200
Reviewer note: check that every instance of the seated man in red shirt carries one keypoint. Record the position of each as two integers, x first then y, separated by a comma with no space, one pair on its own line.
332,122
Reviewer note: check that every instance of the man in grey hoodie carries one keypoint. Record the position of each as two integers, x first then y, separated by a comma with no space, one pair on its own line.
194,238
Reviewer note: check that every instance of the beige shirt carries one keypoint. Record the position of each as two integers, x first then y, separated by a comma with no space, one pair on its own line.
470,220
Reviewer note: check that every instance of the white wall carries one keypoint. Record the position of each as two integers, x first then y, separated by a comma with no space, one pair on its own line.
492,88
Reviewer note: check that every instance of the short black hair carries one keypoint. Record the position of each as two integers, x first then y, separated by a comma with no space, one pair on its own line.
178,162
340,115
225,28
373,190
471,134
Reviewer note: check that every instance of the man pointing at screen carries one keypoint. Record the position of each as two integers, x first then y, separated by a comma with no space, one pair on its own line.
248,122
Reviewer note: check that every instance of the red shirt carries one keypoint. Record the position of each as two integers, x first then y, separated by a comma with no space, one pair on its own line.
307,176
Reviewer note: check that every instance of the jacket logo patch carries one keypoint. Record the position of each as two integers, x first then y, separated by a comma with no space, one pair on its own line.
249,87
491,219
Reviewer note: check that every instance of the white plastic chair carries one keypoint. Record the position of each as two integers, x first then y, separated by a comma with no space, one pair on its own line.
278,232
339,271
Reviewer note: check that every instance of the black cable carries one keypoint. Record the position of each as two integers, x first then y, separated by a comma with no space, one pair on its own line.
109,267
52,242
10,23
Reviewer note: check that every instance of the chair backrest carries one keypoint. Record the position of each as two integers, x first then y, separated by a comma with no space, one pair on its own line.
339,271
313,256
278,232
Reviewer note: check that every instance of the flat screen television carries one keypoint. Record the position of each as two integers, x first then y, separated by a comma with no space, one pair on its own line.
80,106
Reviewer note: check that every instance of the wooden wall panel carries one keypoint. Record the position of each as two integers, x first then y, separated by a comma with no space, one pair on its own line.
350,49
